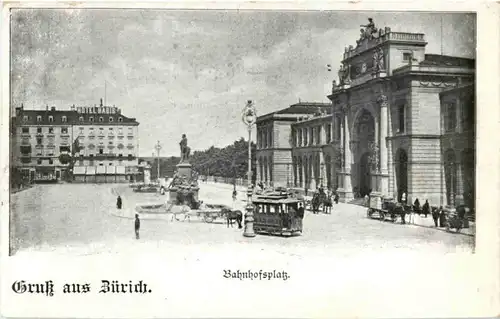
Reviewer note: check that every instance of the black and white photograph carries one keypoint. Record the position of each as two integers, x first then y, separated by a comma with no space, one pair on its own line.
263,137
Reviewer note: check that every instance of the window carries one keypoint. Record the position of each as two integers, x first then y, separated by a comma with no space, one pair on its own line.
101,151
80,119
51,118
110,128
91,119
51,130
111,119
407,56
101,119
39,162
65,119
328,133
25,118
51,161
25,129
38,118
120,119
39,130
64,130
451,117
110,164
401,118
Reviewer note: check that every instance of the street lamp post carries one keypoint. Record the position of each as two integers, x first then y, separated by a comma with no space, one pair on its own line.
158,148
249,117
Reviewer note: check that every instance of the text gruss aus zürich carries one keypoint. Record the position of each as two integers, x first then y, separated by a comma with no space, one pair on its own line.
256,275
106,286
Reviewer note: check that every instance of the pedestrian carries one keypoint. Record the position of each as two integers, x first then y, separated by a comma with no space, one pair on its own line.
426,208
336,198
300,211
442,217
435,215
416,205
119,202
234,194
403,198
137,226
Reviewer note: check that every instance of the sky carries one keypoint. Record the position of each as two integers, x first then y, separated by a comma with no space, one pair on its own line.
192,72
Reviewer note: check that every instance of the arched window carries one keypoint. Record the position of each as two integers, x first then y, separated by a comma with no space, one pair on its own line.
111,119
120,119
101,119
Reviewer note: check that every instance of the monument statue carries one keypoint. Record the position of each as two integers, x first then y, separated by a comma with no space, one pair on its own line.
185,150
344,76
378,60
370,29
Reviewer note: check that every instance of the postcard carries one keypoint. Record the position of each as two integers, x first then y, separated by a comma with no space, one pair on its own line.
250,160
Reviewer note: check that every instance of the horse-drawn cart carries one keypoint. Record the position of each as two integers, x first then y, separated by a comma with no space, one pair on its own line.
385,207
277,214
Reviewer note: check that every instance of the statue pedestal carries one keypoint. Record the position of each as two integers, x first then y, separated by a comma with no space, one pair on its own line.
184,169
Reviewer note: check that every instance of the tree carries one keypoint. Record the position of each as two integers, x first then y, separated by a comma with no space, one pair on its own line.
230,161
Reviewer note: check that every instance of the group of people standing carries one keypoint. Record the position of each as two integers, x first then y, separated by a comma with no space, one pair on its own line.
438,214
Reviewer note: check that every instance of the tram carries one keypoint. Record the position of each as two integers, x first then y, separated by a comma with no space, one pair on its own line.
277,214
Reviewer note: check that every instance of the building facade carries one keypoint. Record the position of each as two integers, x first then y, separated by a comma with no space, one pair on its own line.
39,138
274,141
458,136
388,103
99,144
388,129
108,145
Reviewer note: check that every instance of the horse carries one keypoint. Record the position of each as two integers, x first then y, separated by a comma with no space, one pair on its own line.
232,215
315,203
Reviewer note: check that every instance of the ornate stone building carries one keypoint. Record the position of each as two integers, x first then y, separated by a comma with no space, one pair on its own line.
274,141
400,121
387,109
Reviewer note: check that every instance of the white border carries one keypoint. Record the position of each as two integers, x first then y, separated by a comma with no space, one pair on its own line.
192,291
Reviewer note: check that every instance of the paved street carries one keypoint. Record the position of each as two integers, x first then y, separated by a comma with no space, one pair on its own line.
81,219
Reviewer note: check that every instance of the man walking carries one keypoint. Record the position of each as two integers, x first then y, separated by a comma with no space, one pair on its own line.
435,215
137,226
119,202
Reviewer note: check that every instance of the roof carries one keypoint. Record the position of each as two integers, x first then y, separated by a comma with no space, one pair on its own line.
446,60
30,117
55,117
261,200
107,119
300,108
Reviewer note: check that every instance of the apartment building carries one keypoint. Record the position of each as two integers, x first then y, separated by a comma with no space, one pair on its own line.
90,144
41,138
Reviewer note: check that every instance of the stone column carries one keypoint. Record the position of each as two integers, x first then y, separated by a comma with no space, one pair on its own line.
346,191
459,196
257,178
384,177
322,168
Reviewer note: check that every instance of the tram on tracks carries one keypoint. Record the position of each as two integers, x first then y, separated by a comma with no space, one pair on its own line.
277,214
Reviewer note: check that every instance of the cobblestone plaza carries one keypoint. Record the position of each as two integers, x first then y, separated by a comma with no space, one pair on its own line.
81,219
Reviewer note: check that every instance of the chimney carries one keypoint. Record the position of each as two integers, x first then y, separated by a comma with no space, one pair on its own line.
53,109
72,107
46,107
101,101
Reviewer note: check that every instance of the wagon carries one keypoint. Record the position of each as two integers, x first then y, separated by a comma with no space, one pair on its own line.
210,212
386,207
